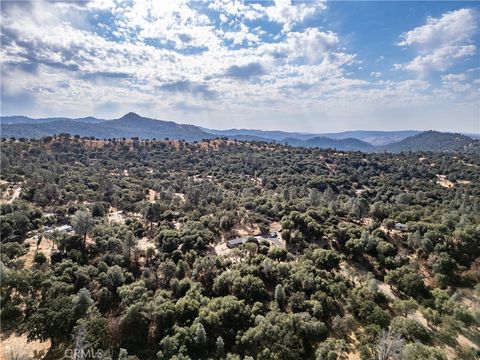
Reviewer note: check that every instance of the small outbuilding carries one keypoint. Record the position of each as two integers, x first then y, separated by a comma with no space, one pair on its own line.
401,227
62,229
273,234
236,242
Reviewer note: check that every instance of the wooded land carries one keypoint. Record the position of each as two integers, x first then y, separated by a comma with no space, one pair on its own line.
348,255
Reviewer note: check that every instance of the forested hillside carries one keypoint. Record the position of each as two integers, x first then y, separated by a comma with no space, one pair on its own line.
434,141
129,125
121,247
348,144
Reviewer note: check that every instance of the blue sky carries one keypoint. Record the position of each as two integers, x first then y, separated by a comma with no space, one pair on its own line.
313,66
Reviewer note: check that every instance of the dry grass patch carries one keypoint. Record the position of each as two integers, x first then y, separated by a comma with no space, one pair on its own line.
15,346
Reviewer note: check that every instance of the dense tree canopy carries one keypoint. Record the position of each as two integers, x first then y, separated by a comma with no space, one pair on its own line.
341,252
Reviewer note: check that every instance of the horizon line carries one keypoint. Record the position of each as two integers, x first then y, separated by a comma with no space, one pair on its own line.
238,129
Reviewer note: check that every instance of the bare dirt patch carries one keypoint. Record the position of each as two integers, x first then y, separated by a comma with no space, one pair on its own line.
468,298
444,182
354,354
428,277
331,167
181,196
144,243
367,221
418,317
45,247
275,226
245,230
152,195
466,342
222,249
387,290
116,216
10,195
278,242
469,165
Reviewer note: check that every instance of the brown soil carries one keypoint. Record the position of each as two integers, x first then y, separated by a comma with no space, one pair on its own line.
46,247
444,182
144,243
152,195
10,195
116,216
181,196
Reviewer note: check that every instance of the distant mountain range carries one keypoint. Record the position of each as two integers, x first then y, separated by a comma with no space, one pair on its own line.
134,125
28,120
129,125
371,137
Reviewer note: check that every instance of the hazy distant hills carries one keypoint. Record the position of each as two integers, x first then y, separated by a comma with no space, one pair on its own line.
129,125
28,120
349,144
371,137
433,141
278,136
134,125
376,138
44,128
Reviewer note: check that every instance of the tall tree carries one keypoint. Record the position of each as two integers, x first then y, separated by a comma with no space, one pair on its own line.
82,223
130,242
152,213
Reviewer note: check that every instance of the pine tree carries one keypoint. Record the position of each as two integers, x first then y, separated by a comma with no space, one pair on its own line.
280,296
200,335
82,302
219,347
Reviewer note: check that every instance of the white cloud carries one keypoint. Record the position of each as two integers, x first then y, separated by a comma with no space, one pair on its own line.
237,9
452,28
173,60
312,45
223,18
453,84
454,77
284,12
439,59
170,22
243,35
288,14
441,41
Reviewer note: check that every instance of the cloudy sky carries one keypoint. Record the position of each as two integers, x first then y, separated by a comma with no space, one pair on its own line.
304,66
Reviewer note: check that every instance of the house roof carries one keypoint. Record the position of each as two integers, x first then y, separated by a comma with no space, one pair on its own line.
240,240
